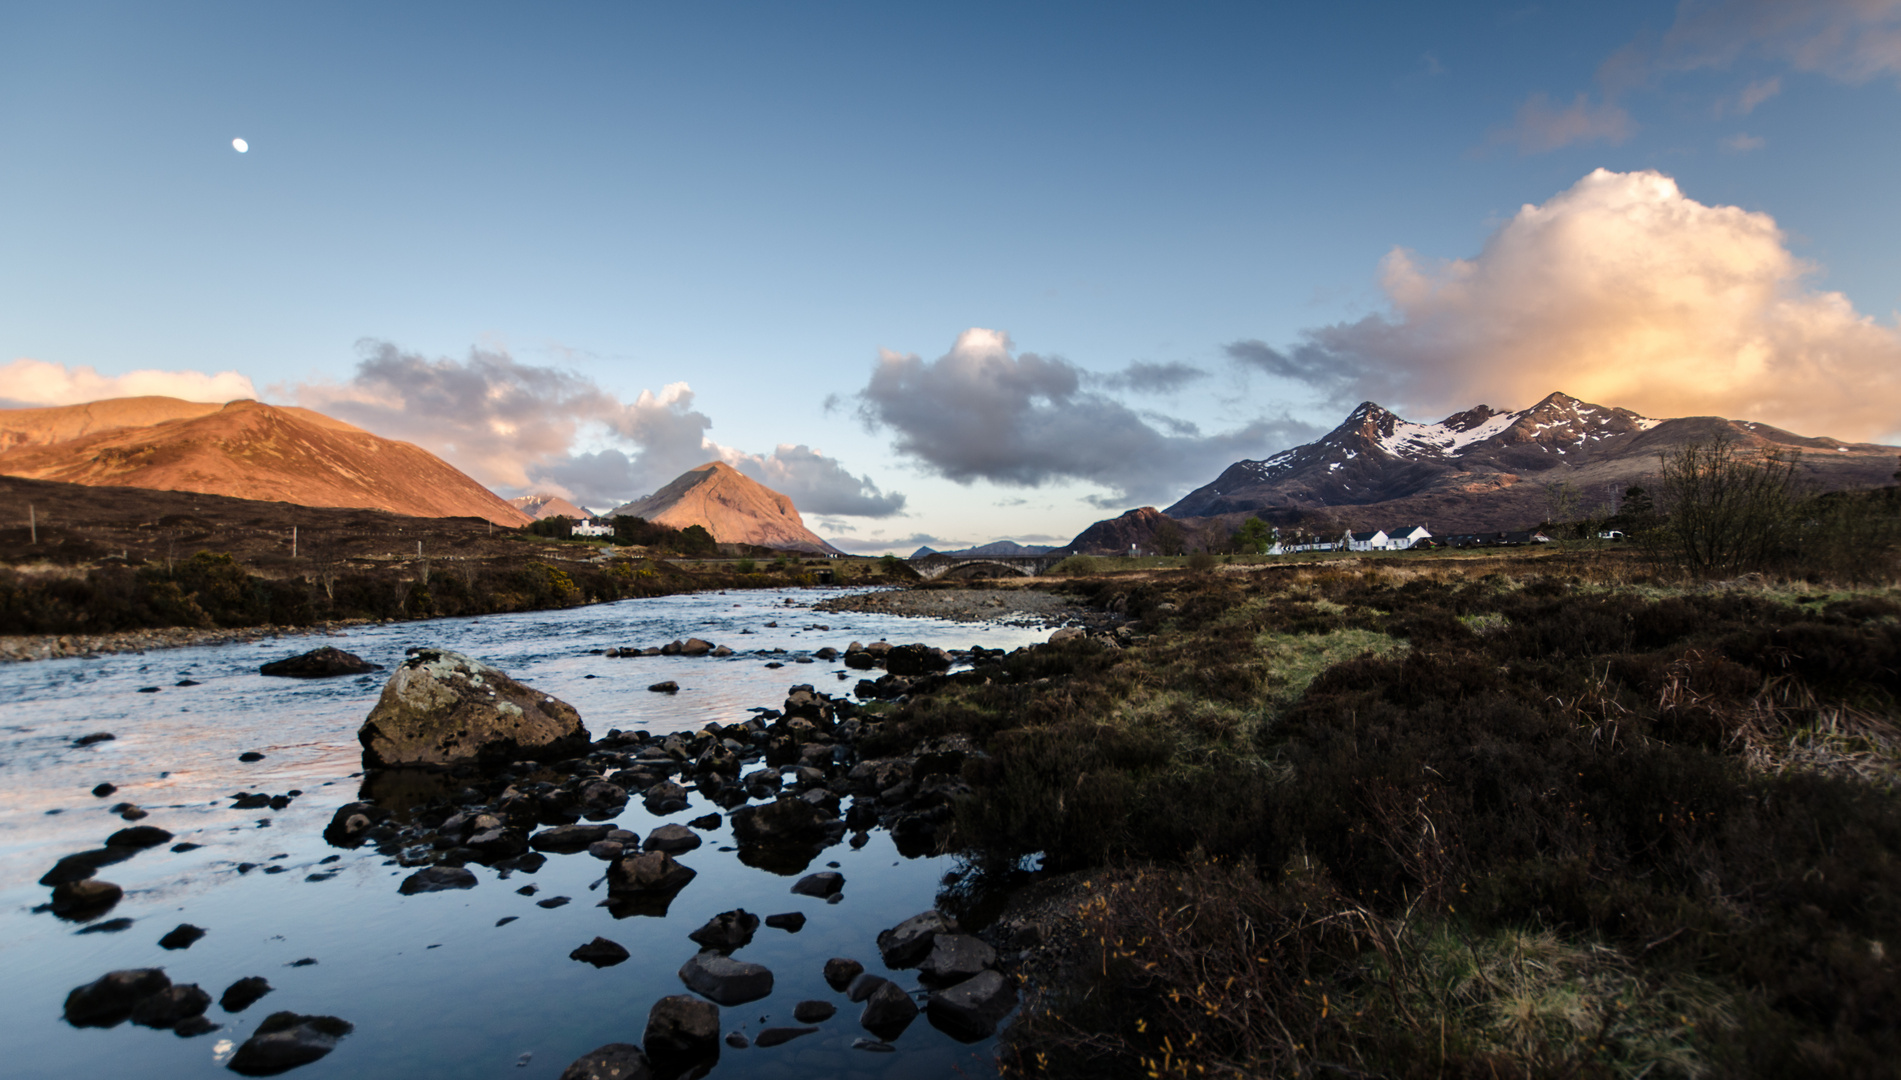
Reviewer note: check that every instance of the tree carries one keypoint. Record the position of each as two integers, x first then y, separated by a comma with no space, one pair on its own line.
1168,537
695,540
1730,508
1254,536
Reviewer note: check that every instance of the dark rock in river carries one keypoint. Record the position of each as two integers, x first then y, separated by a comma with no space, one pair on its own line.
615,1061
839,972
727,931
672,839
85,899
94,738
243,994
182,936
649,872
681,1025
969,1011
323,663
916,660
791,921
909,942
863,985
104,790
436,879
724,979
813,1012
286,1040
444,708
167,1007
568,838
784,820
665,798
109,999
888,1011
139,836
956,957
600,952
250,756
822,884
667,687
773,1036
192,1026
82,865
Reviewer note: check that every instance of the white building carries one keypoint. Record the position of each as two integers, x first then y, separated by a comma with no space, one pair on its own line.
592,527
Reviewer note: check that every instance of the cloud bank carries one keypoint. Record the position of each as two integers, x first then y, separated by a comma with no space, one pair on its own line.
515,427
983,411
1621,291
36,382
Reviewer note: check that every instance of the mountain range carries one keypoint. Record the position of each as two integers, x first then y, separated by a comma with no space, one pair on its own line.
243,449
1480,470
547,506
995,547
734,508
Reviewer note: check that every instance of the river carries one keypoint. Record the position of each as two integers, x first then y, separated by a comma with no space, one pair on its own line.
434,986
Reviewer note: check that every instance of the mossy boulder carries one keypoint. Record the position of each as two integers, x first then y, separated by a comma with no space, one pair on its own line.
442,708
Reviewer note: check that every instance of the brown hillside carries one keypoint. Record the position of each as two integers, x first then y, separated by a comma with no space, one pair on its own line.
243,449
735,509
547,506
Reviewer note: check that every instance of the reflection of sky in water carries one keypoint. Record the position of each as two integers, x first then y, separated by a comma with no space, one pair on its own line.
486,995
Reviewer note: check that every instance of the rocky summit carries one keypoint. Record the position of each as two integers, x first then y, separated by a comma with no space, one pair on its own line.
442,708
731,507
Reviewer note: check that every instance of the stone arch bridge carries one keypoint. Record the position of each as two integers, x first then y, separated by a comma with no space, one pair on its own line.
932,567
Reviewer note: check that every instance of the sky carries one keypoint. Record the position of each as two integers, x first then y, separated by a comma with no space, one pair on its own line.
954,273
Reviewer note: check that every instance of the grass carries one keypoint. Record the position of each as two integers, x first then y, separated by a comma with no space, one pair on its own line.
1528,816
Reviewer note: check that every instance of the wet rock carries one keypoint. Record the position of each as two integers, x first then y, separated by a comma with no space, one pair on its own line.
665,687
109,999
909,942
727,931
286,1040
109,926
738,1040
822,884
444,708
888,1011
437,879
85,899
600,952
873,1045
672,839
325,663
129,812
138,837
193,1026
603,799
243,994
916,660
665,798
813,1012
724,979
791,922
167,1007
567,839
554,902
103,790
840,971
182,936
681,1025
649,872
706,822
970,1010
84,864
774,1036
94,739
352,822
695,647
615,1061
956,957
784,820
250,756
863,986
607,850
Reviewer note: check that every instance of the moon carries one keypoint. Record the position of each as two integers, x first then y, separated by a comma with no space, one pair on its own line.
240,146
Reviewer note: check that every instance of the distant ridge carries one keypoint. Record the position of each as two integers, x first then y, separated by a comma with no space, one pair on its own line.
995,547
243,449
734,508
547,506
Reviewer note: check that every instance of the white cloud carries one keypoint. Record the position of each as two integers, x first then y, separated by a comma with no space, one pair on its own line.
37,382
1623,291
1846,40
1742,143
1756,93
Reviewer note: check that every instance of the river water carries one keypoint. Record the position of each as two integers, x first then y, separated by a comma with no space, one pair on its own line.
434,987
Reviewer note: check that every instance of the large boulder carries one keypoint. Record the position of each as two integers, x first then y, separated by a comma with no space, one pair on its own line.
323,663
916,660
442,708
785,820
286,1040
681,1025
648,873
615,1061
725,980
909,942
970,1010
110,998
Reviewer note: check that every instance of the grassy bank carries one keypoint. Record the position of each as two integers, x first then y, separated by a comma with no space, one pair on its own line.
1529,817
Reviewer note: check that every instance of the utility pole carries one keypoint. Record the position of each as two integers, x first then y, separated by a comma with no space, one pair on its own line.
293,541
33,522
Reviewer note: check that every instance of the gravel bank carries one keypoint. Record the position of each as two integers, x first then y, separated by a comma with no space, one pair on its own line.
53,646
1012,607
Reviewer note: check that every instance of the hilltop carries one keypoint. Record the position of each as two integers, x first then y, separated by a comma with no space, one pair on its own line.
242,449
732,507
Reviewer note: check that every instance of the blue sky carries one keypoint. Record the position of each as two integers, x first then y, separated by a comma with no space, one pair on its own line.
957,273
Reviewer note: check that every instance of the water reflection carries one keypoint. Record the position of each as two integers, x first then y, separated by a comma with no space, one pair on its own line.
438,984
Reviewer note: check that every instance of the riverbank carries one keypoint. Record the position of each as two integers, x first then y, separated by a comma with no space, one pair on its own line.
21,647
1020,606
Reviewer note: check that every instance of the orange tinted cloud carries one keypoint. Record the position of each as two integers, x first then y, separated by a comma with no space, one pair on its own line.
1625,292
37,382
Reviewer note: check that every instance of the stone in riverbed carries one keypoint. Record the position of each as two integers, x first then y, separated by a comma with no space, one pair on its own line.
822,884
568,838
286,1040
138,837
436,879
888,1011
615,1061
648,873
325,663
85,899
784,820
813,1012
681,1025
600,952
727,931
665,798
969,1011
791,921
82,865
443,708
243,994
724,979
109,999
773,1036
182,936
956,957
165,1009
672,839
909,942
839,972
